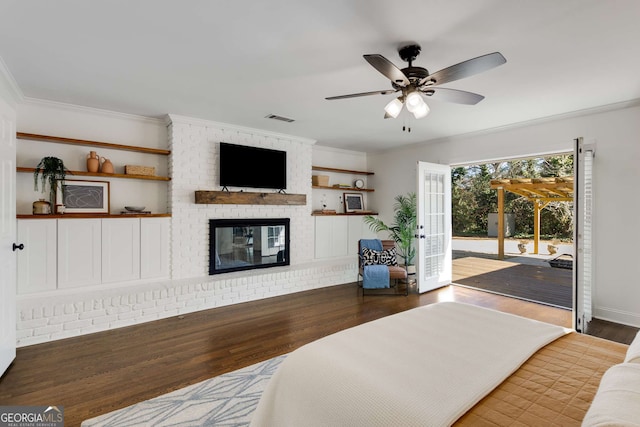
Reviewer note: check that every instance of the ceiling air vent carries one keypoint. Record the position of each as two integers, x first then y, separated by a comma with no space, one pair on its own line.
282,119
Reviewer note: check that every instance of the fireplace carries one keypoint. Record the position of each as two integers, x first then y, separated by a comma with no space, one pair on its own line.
246,244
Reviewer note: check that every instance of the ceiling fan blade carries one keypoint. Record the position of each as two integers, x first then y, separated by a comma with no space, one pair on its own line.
387,68
353,95
452,95
465,69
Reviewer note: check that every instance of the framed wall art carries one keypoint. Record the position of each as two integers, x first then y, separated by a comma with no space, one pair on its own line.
78,196
353,202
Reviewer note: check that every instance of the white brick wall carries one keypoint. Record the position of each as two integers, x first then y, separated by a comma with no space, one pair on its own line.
47,318
193,166
194,162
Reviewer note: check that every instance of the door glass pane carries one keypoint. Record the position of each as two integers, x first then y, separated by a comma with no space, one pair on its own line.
434,246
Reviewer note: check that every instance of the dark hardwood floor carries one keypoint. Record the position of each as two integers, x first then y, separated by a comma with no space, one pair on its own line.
101,372
612,331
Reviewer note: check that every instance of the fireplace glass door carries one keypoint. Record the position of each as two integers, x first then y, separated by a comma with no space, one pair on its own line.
245,244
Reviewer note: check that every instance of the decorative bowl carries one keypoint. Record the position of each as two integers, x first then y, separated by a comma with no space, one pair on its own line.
134,208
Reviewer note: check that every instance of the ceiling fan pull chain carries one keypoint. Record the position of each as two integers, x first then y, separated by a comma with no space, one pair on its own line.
406,128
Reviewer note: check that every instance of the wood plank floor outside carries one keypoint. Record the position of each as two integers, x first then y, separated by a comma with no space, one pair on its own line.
98,373
533,282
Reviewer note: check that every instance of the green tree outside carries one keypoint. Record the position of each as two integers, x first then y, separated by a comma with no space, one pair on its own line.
473,199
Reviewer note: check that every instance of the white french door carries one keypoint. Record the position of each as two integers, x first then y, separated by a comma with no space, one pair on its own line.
434,226
7,237
583,260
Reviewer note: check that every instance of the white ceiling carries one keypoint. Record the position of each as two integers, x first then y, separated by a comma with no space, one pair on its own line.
237,61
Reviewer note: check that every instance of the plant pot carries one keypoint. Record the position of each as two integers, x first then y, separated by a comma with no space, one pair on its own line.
411,269
41,207
50,170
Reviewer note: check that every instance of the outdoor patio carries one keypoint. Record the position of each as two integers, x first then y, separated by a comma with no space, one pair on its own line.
525,276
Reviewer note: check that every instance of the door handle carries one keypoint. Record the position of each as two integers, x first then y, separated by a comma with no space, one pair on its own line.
18,247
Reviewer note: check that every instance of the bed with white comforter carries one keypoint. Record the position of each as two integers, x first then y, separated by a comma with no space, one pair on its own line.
423,367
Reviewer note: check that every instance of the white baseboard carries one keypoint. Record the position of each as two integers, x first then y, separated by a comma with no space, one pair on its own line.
617,316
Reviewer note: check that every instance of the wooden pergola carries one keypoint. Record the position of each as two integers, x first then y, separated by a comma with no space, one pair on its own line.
540,191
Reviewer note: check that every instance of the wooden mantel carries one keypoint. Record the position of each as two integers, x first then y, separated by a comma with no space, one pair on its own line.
249,198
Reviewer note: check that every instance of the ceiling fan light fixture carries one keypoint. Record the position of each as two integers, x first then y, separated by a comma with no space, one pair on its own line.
415,83
421,111
394,107
414,101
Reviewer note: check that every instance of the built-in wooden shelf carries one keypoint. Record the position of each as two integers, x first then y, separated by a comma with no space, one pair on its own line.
71,141
322,187
104,175
322,168
345,171
249,198
72,173
343,214
90,215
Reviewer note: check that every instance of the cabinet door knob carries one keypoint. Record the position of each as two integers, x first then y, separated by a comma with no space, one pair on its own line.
16,247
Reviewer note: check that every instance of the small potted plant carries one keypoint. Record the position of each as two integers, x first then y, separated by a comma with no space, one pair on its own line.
522,246
50,170
404,228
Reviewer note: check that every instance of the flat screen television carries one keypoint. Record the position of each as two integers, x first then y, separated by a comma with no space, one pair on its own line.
243,166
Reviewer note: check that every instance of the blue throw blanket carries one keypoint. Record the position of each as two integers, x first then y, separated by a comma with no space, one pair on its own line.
375,277
373,244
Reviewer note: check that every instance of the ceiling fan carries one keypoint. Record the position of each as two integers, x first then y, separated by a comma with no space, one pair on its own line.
414,83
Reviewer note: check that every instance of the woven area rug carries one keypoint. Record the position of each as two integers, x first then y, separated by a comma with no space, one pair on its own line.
226,400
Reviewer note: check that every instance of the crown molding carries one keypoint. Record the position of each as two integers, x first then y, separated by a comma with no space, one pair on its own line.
542,120
8,86
91,110
177,119
336,150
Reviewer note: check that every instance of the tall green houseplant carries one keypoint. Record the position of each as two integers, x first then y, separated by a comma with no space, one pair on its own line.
403,230
50,170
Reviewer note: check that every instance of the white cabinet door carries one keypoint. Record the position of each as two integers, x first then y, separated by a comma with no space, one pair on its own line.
120,249
331,236
79,252
37,263
358,229
323,236
340,236
154,248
